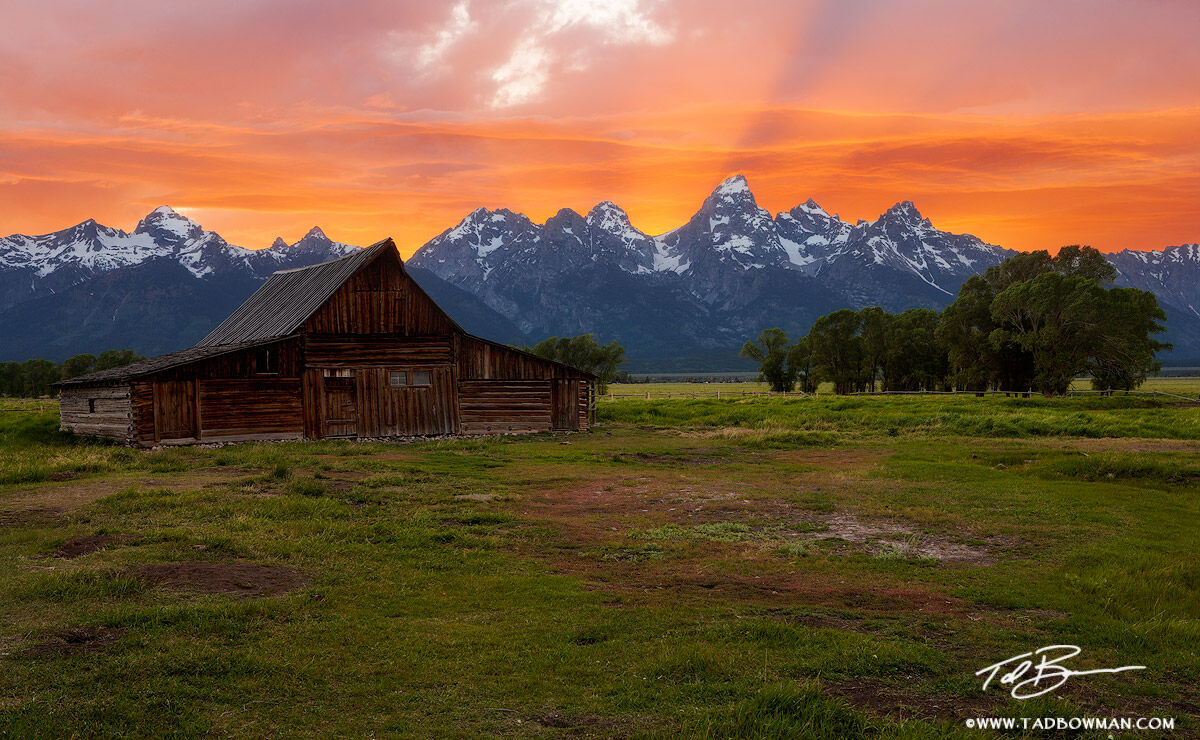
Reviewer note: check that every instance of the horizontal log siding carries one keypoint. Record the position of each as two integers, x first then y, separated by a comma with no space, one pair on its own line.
250,408
510,406
331,351
113,415
482,360
585,416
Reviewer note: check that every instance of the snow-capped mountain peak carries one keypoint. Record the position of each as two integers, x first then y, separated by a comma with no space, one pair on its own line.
89,249
168,226
733,186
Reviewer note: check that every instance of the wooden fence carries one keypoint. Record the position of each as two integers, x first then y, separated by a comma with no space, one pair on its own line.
719,394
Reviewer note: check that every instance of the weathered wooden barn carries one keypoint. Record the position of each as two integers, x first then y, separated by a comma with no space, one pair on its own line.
348,348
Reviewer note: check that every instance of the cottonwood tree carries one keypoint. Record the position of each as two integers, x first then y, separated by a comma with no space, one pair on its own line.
585,353
771,353
837,350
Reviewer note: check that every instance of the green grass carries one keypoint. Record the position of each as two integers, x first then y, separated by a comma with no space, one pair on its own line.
1181,385
768,567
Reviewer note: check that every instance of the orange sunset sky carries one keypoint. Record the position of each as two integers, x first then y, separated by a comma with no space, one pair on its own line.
1031,124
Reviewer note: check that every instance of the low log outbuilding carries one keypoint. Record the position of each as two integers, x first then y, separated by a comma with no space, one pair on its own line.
347,348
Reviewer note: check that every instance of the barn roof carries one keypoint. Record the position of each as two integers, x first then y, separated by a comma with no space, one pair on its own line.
288,298
155,364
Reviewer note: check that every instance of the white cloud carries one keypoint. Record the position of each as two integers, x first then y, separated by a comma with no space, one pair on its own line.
460,25
522,78
620,21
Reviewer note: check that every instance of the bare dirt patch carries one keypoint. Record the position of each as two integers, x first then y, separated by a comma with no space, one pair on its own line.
474,496
893,539
71,494
76,640
80,546
237,578
38,516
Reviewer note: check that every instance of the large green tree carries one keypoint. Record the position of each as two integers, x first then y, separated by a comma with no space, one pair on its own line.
1070,324
585,353
111,358
38,375
771,352
78,365
915,359
838,352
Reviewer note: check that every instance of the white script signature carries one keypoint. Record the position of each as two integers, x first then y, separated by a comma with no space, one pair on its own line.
1030,679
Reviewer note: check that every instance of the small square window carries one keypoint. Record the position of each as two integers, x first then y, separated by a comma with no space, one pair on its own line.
421,377
398,379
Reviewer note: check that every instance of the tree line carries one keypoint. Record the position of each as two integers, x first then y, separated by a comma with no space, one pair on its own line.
1032,322
32,378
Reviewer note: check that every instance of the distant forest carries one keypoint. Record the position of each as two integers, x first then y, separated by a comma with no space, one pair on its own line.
32,378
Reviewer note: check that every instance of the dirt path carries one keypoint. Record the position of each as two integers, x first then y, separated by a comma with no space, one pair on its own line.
60,497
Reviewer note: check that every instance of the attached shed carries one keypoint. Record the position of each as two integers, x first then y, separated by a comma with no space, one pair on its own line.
348,348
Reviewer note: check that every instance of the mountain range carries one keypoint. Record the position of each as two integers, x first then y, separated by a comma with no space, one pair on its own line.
682,301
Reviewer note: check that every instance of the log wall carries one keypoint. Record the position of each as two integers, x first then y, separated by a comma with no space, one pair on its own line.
105,411
491,407
250,408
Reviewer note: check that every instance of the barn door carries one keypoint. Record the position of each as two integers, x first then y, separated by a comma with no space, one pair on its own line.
175,410
564,404
341,405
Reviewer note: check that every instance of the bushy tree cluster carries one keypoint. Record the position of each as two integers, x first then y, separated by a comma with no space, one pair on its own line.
32,378
1032,322
585,353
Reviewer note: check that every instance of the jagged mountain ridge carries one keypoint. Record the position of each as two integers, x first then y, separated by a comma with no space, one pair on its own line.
696,291
729,269
733,268
156,289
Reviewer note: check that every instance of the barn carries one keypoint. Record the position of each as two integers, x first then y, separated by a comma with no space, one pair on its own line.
344,349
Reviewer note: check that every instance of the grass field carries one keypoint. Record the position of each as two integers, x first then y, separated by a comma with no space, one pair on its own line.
767,567
1184,386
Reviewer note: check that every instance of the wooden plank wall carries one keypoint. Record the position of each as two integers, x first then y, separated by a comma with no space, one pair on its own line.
337,351
379,299
490,407
482,360
143,412
387,411
113,415
250,408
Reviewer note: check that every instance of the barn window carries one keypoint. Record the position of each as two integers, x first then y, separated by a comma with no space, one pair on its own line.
91,405
398,378
266,361
421,377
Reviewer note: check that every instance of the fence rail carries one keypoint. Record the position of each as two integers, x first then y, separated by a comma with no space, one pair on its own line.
651,395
